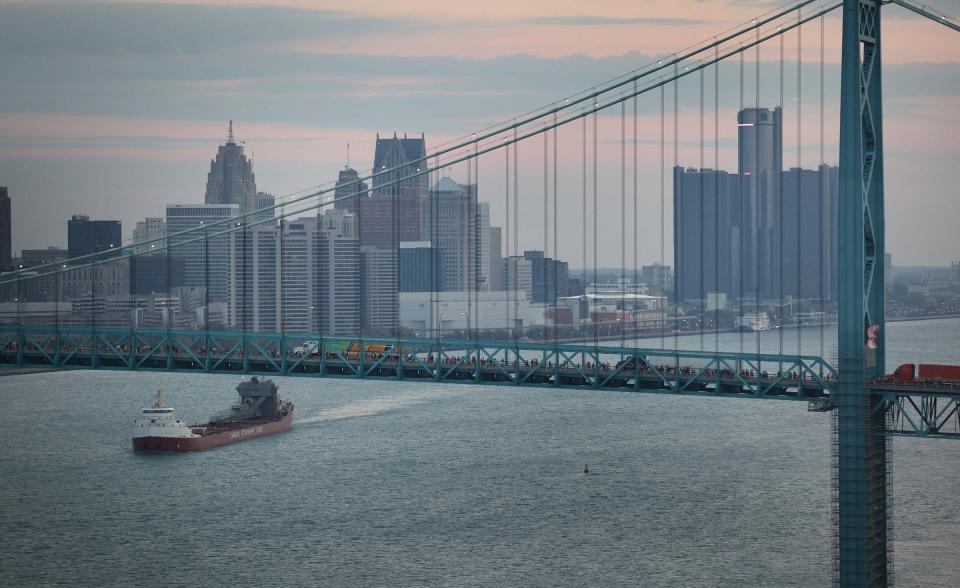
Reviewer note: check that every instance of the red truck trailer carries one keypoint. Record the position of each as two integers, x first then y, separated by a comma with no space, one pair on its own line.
924,372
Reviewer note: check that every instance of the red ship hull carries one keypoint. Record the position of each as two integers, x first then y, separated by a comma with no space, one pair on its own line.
220,436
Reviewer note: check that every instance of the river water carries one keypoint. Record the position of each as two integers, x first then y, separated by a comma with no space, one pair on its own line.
401,484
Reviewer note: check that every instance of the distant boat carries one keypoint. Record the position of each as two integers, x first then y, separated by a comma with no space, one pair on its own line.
752,322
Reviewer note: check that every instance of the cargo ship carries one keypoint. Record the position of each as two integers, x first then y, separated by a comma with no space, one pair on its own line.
257,412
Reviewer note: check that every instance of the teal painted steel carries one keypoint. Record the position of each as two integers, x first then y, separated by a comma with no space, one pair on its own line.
862,521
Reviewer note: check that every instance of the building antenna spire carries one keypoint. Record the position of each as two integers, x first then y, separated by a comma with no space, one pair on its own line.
348,154
230,132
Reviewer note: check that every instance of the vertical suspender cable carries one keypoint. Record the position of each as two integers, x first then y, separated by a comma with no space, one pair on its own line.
596,113
780,224
716,196
661,282
623,223
511,263
743,216
583,216
556,252
473,238
546,208
546,220
755,177
676,160
636,217
486,239
435,274
799,182
516,223
206,279
820,256
701,229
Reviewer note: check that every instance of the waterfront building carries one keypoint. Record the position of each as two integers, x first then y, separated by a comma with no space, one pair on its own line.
85,236
435,314
637,311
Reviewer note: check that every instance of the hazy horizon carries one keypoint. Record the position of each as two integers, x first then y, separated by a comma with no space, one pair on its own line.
114,109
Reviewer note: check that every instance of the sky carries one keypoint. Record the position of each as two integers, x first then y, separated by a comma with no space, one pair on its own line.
115,108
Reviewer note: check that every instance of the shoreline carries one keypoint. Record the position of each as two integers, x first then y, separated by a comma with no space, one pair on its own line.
617,337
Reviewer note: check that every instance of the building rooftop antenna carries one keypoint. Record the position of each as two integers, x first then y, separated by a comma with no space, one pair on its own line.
230,132
348,154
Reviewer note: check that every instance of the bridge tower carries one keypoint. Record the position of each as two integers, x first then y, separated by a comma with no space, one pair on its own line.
862,452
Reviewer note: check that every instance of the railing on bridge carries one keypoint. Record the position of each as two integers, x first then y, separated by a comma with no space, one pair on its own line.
922,410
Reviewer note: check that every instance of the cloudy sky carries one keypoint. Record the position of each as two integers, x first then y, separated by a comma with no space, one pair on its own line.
114,108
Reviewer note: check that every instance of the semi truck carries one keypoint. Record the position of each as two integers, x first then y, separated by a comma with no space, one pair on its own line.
924,372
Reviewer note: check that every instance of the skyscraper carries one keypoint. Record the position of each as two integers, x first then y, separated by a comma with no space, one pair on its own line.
395,161
385,218
338,275
496,258
459,226
762,233
265,202
205,254
420,267
302,275
544,279
6,247
349,190
379,291
85,236
706,233
760,157
231,179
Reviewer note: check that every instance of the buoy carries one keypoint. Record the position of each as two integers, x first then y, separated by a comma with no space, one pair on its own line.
586,468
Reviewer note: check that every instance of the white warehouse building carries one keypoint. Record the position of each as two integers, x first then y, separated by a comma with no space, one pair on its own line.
433,313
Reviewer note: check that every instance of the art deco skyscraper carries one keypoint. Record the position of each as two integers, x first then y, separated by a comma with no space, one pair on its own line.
231,179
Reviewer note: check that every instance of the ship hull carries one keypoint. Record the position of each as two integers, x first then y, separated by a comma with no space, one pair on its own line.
209,440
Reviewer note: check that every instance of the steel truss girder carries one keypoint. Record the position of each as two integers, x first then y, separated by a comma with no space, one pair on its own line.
441,360
921,412
922,415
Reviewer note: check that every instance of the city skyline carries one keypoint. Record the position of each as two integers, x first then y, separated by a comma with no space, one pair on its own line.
82,157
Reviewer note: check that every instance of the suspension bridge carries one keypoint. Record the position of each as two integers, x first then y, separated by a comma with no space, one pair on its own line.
867,409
